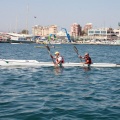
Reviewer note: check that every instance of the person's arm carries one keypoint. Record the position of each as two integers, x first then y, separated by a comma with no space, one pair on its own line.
81,57
54,57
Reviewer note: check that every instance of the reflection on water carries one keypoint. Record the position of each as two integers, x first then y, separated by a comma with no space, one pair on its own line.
70,93
86,69
58,70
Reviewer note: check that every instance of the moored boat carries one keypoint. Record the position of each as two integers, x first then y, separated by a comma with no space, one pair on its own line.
45,46
20,38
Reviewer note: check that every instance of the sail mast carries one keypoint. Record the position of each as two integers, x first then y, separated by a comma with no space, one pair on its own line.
27,19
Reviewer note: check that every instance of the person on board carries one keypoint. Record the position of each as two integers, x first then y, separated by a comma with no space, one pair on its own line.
58,59
87,58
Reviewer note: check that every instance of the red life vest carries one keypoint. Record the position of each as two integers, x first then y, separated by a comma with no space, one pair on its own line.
62,61
88,60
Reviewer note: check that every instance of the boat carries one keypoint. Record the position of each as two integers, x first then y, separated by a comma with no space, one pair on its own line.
15,43
35,63
20,38
45,47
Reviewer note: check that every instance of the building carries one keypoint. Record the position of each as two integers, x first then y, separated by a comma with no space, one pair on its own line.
75,30
61,33
87,27
117,32
97,32
102,33
44,30
53,29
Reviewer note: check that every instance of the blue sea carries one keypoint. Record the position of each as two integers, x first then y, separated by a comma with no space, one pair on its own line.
72,93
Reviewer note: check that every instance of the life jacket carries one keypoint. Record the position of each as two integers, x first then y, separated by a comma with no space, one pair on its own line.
88,60
62,60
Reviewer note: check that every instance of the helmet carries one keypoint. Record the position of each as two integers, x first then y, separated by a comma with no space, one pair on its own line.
56,52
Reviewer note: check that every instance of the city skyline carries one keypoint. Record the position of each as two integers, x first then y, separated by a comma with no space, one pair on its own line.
17,15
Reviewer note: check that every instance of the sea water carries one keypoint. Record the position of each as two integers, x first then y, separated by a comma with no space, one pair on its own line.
71,93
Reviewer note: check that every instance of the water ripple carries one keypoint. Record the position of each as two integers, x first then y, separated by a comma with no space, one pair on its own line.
59,94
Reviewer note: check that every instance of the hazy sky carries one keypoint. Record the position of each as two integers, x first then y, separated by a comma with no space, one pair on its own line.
15,13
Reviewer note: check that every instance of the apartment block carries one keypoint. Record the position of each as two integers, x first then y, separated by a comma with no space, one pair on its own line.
44,30
75,30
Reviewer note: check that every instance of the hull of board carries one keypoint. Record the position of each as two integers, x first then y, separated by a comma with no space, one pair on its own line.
5,62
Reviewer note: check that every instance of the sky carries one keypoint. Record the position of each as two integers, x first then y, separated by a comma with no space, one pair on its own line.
16,15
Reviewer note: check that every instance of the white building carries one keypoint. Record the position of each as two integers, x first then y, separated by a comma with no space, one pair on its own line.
104,33
98,33
117,32
61,33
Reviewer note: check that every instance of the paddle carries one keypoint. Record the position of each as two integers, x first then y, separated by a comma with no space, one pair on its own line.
76,50
50,53
51,45
49,38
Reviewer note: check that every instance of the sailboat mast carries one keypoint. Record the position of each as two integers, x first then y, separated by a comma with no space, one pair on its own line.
27,19
16,24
